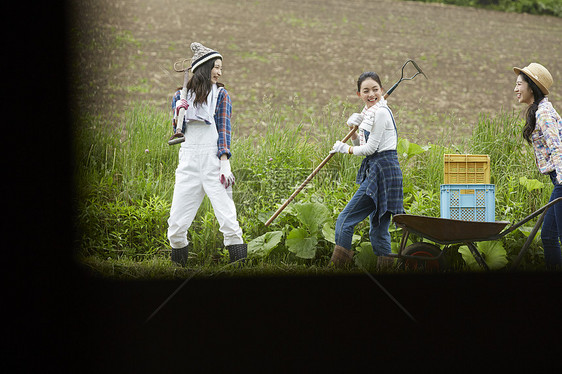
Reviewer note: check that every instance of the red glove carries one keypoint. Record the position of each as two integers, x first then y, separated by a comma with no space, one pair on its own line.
182,103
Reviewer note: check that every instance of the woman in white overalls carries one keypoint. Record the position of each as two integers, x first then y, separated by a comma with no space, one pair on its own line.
204,166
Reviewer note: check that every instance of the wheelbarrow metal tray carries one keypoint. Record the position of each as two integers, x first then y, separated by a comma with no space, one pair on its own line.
449,231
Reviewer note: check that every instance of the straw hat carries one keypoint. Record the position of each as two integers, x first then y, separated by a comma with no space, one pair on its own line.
538,74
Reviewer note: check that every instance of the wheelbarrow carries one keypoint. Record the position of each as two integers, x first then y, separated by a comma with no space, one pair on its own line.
451,231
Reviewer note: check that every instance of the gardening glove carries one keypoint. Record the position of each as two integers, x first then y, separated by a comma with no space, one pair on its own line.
182,103
225,174
340,147
354,120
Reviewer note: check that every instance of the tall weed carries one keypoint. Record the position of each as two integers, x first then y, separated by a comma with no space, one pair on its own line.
126,179
510,159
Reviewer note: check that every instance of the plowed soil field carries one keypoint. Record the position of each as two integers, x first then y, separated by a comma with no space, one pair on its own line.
123,52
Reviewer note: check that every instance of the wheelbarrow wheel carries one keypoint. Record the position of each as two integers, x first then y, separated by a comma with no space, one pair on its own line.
423,250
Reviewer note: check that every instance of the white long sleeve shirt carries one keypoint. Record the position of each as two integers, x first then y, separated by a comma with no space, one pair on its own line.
378,121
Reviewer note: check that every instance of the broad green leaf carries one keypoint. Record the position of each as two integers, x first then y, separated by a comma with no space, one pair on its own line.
264,244
312,215
407,149
469,258
526,230
402,147
415,149
329,232
531,184
493,253
365,257
301,244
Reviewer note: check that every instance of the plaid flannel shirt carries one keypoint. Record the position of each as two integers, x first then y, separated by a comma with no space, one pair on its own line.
222,116
547,139
383,176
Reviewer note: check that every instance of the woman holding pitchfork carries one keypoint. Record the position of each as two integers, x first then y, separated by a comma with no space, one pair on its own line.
543,130
380,192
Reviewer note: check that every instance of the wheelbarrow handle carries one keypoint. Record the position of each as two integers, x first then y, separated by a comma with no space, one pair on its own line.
542,211
530,217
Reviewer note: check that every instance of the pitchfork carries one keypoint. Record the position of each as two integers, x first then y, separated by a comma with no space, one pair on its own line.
351,132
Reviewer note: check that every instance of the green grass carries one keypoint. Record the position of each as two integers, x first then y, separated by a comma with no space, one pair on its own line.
125,180
159,267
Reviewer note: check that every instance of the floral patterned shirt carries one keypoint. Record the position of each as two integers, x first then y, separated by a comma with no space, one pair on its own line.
547,139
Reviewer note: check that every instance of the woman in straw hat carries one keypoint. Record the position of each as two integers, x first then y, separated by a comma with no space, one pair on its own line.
380,179
204,166
543,130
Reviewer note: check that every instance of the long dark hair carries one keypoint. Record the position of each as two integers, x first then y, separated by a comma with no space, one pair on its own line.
200,82
530,114
365,75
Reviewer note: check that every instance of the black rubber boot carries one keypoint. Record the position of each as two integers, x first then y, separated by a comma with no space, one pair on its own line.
179,255
238,252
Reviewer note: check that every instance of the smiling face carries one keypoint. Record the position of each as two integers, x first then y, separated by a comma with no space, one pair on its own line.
523,91
216,71
370,92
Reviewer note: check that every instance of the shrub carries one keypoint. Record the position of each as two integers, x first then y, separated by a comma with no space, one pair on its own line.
541,7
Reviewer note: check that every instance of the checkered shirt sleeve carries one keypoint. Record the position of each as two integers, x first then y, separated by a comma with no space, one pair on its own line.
223,113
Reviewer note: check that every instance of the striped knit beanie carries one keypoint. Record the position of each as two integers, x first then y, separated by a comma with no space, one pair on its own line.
201,54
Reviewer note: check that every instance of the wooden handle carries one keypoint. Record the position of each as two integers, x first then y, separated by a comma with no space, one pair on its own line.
308,179
183,95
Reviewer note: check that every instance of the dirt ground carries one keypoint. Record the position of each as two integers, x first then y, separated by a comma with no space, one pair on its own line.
123,52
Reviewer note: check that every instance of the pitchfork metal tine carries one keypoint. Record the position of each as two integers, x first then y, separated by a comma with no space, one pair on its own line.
413,76
418,69
405,79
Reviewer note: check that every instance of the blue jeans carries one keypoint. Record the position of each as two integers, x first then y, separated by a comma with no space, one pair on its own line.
360,207
552,228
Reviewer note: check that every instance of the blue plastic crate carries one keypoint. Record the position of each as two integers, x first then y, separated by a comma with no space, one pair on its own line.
468,202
